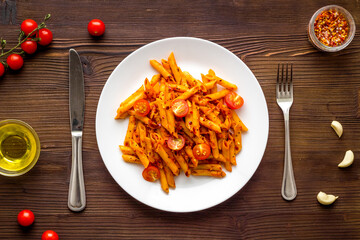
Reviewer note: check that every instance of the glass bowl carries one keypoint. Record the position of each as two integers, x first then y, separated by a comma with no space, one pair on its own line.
315,41
19,147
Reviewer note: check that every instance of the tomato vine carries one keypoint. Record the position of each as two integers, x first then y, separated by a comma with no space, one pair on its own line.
33,35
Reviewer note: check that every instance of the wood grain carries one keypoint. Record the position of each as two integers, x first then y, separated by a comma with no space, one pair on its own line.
262,34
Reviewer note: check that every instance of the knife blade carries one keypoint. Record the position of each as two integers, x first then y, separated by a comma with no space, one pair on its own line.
76,197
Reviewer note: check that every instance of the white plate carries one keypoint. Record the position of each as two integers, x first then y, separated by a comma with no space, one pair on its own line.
195,56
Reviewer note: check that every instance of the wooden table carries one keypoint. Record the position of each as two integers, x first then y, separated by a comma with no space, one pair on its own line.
262,34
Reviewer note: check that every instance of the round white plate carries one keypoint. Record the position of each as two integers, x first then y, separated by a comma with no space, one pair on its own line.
195,56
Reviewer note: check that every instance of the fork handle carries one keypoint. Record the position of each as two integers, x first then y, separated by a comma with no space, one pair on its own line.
288,189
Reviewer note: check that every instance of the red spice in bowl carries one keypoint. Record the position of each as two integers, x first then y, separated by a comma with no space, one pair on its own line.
331,28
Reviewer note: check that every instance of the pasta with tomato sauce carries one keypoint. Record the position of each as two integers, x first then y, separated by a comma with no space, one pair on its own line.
178,123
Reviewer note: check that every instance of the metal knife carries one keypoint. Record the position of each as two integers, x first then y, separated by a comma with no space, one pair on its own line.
76,197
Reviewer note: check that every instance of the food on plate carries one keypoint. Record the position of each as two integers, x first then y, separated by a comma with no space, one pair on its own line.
326,199
348,159
337,128
25,218
234,101
179,123
96,27
331,28
151,174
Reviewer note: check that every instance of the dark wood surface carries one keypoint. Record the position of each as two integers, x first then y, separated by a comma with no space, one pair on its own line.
262,34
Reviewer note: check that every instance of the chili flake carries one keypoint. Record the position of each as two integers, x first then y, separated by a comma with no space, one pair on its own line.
331,28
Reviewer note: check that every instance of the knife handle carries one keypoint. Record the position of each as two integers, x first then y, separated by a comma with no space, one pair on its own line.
76,198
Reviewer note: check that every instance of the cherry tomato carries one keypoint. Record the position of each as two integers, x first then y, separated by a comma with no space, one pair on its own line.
96,27
176,143
25,218
15,61
151,174
180,107
28,25
142,107
201,151
234,101
45,36
50,235
29,46
2,69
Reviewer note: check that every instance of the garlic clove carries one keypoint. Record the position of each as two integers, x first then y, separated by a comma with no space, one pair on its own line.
348,159
326,199
337,128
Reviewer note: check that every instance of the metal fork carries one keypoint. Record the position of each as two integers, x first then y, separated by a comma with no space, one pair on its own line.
284,98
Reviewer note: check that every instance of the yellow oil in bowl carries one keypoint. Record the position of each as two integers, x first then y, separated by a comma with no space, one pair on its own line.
19,147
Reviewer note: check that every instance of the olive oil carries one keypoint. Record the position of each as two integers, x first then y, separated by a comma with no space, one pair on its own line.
19,147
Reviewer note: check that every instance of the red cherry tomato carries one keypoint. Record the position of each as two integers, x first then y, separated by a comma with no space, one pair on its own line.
45,36
176,143
180,107
29,46
201,151
234,101
142,107
96,27
2,69
50,235
25,218
28,25
15,61
151,174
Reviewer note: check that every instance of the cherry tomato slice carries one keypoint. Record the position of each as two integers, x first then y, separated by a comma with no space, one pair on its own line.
29,46
201,151
234,101
180,107
50,235
96,27
15,61
176,143
151,174
45,36
25,218
142,107
27,26
2,69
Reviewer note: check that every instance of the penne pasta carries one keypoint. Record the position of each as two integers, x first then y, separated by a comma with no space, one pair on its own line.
189,93
174,68
158,67
209,124
126,150
195,119
217,174
140,153
163,181
218,95
169,162
169,177
131,159
199,136
130,130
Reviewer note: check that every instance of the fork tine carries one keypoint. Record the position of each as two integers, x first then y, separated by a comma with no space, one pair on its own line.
291,79
277,81
282,78
286,86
